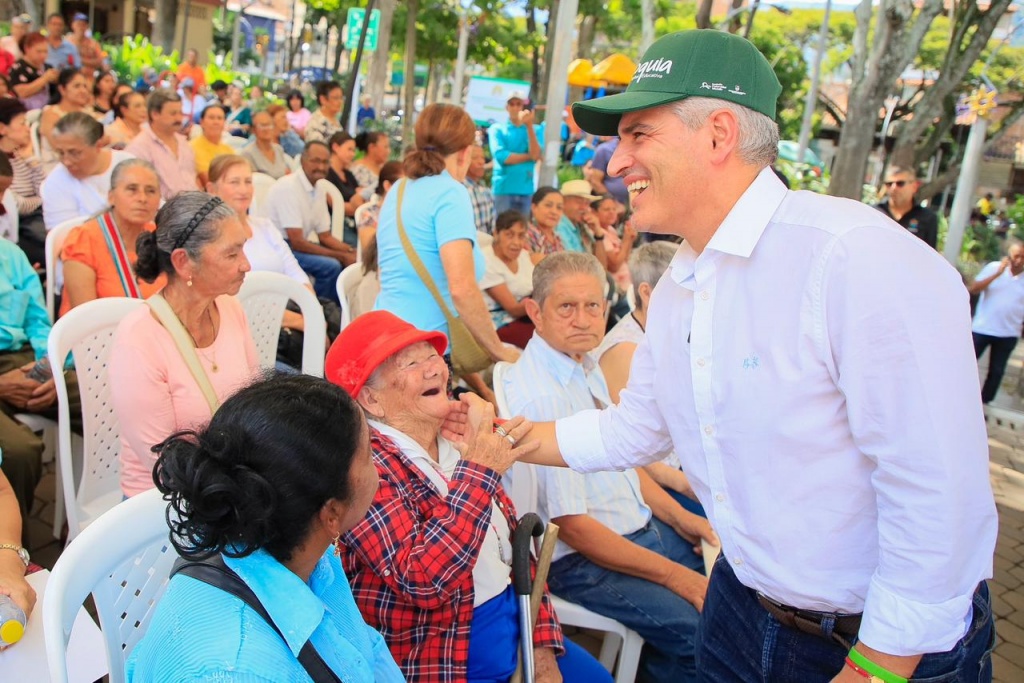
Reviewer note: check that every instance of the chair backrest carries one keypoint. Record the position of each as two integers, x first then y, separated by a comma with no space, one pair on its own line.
37,147
520,480
264,296
337,210
10,203
54,271
124,560
87,332
261,184
347,281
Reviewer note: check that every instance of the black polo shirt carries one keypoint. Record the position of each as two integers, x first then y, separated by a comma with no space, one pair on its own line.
921,221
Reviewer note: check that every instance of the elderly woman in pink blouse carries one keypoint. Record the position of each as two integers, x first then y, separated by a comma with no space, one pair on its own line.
198,244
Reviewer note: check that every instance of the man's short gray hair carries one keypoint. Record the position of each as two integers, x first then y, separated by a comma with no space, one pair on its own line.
556,266
759,135
648,263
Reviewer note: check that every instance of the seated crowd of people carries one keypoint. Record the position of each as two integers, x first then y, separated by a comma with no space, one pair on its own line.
161,204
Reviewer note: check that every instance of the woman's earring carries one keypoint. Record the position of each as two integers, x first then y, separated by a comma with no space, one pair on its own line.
189,282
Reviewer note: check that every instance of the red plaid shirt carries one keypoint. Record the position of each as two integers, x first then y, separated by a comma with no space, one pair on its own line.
410,563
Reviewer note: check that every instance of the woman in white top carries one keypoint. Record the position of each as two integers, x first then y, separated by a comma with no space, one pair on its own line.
615,355
509,279
79,185
231,180
75,95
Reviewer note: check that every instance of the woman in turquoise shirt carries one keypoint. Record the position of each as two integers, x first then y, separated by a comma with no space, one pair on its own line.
282,470
438,217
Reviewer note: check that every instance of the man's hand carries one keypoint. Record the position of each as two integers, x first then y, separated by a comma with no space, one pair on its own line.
693,528
484,446
687,584
526,117
17,389
545,666
1003,265
44,396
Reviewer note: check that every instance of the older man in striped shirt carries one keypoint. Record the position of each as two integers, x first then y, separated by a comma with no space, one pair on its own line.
626,548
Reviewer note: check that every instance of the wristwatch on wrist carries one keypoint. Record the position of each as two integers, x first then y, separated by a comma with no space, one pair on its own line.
22,553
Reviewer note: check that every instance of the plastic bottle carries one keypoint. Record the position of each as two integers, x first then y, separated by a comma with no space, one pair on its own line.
12,622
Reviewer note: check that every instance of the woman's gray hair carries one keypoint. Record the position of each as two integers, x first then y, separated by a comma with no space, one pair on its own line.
758,135
190,221
80,125
648,263
556,266
123,167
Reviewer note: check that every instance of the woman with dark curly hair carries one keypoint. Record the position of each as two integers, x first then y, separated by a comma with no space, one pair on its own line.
282,470
173,361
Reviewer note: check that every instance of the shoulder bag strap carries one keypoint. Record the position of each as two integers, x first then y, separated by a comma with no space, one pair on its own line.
214,572
165,314
417,262
120,255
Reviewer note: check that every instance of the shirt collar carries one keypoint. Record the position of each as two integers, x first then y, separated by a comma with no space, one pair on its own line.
295,607
304,181
447,455
563,367
739,233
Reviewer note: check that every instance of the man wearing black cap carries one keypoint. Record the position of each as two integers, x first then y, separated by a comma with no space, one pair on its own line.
811,363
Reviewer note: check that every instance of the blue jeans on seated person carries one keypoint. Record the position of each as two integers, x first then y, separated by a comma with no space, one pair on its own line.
689,504
739,640
665,620
494,647
324,270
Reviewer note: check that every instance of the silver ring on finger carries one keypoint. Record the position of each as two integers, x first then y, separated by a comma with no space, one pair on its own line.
501,431
511,439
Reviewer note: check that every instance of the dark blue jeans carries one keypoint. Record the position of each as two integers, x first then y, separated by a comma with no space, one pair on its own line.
739,641
1002,349
667,622
518,202
324,270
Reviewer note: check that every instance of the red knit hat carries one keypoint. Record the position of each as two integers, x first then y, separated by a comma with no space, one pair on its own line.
368,341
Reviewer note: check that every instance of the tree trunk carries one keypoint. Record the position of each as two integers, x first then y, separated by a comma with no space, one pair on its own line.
377,75
896,39
163,27
549,43
531,30
704,14
409,115
433,81
971,32
588,30
646,25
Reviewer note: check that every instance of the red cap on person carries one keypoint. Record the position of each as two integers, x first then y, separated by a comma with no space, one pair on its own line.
368,341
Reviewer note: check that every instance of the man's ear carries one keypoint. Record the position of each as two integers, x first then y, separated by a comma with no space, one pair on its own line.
533,311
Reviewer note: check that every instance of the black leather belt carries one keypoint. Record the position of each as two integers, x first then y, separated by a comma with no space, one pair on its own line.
844,626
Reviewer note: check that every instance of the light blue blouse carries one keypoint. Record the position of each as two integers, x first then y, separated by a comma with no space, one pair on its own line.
203,633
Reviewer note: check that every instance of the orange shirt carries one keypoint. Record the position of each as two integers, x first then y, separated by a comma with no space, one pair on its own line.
87,245
196,73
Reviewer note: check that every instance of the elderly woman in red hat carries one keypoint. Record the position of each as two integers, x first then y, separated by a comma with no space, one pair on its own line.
430,564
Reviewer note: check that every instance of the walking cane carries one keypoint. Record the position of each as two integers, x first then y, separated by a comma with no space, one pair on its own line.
529,527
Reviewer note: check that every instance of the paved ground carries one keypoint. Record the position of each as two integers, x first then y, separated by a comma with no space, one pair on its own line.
1006,447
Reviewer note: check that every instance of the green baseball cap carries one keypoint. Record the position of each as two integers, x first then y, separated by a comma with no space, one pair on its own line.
696,63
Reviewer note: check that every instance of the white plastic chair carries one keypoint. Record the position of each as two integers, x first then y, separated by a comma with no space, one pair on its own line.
54,269
124,560
264,296
520,484
347,281
261,184
37,146
337,208
87,332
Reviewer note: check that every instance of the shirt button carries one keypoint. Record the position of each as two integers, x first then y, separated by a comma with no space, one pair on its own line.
737,562
700,362
709,430
720,498
387,572
705,295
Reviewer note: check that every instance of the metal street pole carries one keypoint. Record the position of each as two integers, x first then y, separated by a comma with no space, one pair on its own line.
460,62
965,185
353,73
236,34
558,87
646,25
812,94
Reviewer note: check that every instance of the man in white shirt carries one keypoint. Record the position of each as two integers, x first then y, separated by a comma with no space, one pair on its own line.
297,208
810,362
625,549
999,315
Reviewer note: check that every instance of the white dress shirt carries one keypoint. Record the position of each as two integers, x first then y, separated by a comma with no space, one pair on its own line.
1000,309
813,367
492,572
267,251
543,385
66,197
293,202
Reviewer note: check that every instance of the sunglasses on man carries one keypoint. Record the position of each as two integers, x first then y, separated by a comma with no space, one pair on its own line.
895,183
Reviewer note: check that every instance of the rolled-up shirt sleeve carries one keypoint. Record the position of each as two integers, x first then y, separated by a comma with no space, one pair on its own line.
620,437
907,371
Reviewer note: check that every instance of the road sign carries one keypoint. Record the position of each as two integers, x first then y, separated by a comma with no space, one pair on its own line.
354,26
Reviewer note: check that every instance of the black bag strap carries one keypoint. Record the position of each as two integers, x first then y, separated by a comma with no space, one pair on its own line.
214,572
